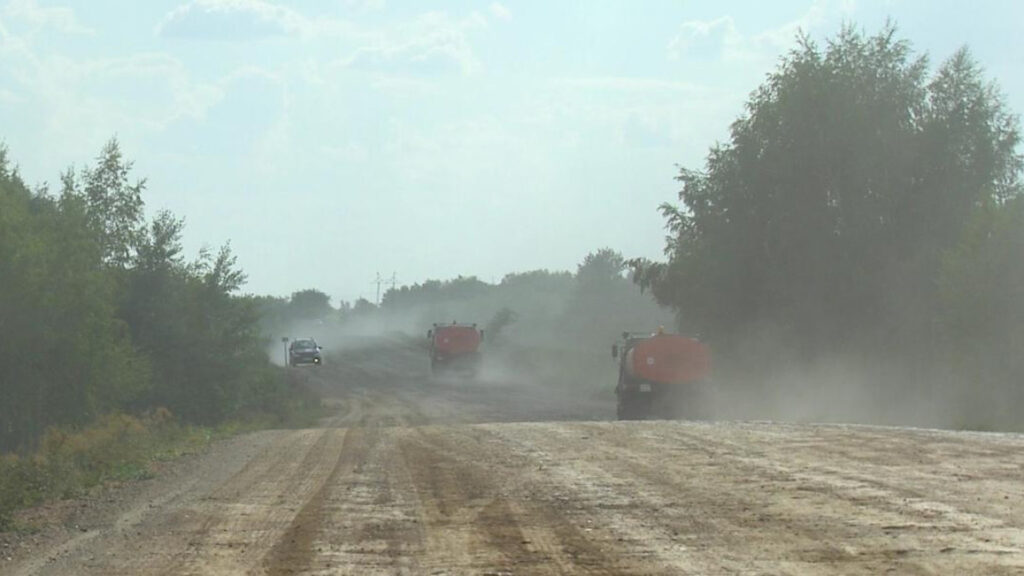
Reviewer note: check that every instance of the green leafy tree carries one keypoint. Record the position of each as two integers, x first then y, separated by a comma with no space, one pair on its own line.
106,314
501,320
827,212
430,292
113,204
603,302
72,358
981,297
538,280
603,267
310,304
363,307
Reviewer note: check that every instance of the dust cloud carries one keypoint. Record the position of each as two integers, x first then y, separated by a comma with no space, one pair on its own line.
557,336
765,379
561,341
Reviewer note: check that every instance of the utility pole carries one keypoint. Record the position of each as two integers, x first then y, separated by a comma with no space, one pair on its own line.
380,280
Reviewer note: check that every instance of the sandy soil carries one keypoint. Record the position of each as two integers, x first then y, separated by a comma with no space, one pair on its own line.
414,476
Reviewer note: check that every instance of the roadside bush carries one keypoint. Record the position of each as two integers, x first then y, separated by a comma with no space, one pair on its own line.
118,447
69,462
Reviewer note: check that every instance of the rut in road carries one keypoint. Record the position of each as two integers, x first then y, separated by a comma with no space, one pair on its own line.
402,500
477,518
295,547
307,543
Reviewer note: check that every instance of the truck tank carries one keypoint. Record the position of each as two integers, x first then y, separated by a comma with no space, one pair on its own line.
455,340
661,375
668,359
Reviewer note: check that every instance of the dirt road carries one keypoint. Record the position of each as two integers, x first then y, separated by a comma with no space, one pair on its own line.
420,477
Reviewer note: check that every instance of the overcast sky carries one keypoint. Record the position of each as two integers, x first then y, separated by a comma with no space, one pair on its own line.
330,140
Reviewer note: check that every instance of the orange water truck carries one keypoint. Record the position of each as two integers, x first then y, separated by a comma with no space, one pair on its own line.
661,374
455,348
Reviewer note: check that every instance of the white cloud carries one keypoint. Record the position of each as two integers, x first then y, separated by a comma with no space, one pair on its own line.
351,153
720,39
246,20
231,20
500,11
366,5
641,112
9,97
72,101
629,84
703,39
778,39
38,18
172,92
405,86
75,101
431,43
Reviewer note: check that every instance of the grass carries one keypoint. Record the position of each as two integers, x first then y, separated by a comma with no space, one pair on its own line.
117,448
68,463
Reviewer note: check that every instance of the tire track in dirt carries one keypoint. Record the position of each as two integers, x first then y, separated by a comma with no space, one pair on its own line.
293,552
476,519
213,523
762,503
723,510
890,480
387,538
361,515
228,529
665,514
372,515
245,516
583,509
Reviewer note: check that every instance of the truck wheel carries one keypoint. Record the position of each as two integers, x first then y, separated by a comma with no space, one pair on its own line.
629,407
621,412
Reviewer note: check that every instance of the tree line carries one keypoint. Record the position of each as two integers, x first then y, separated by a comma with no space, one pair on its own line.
585,308
100,310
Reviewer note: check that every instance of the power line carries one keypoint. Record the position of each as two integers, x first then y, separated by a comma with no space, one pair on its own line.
380,280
